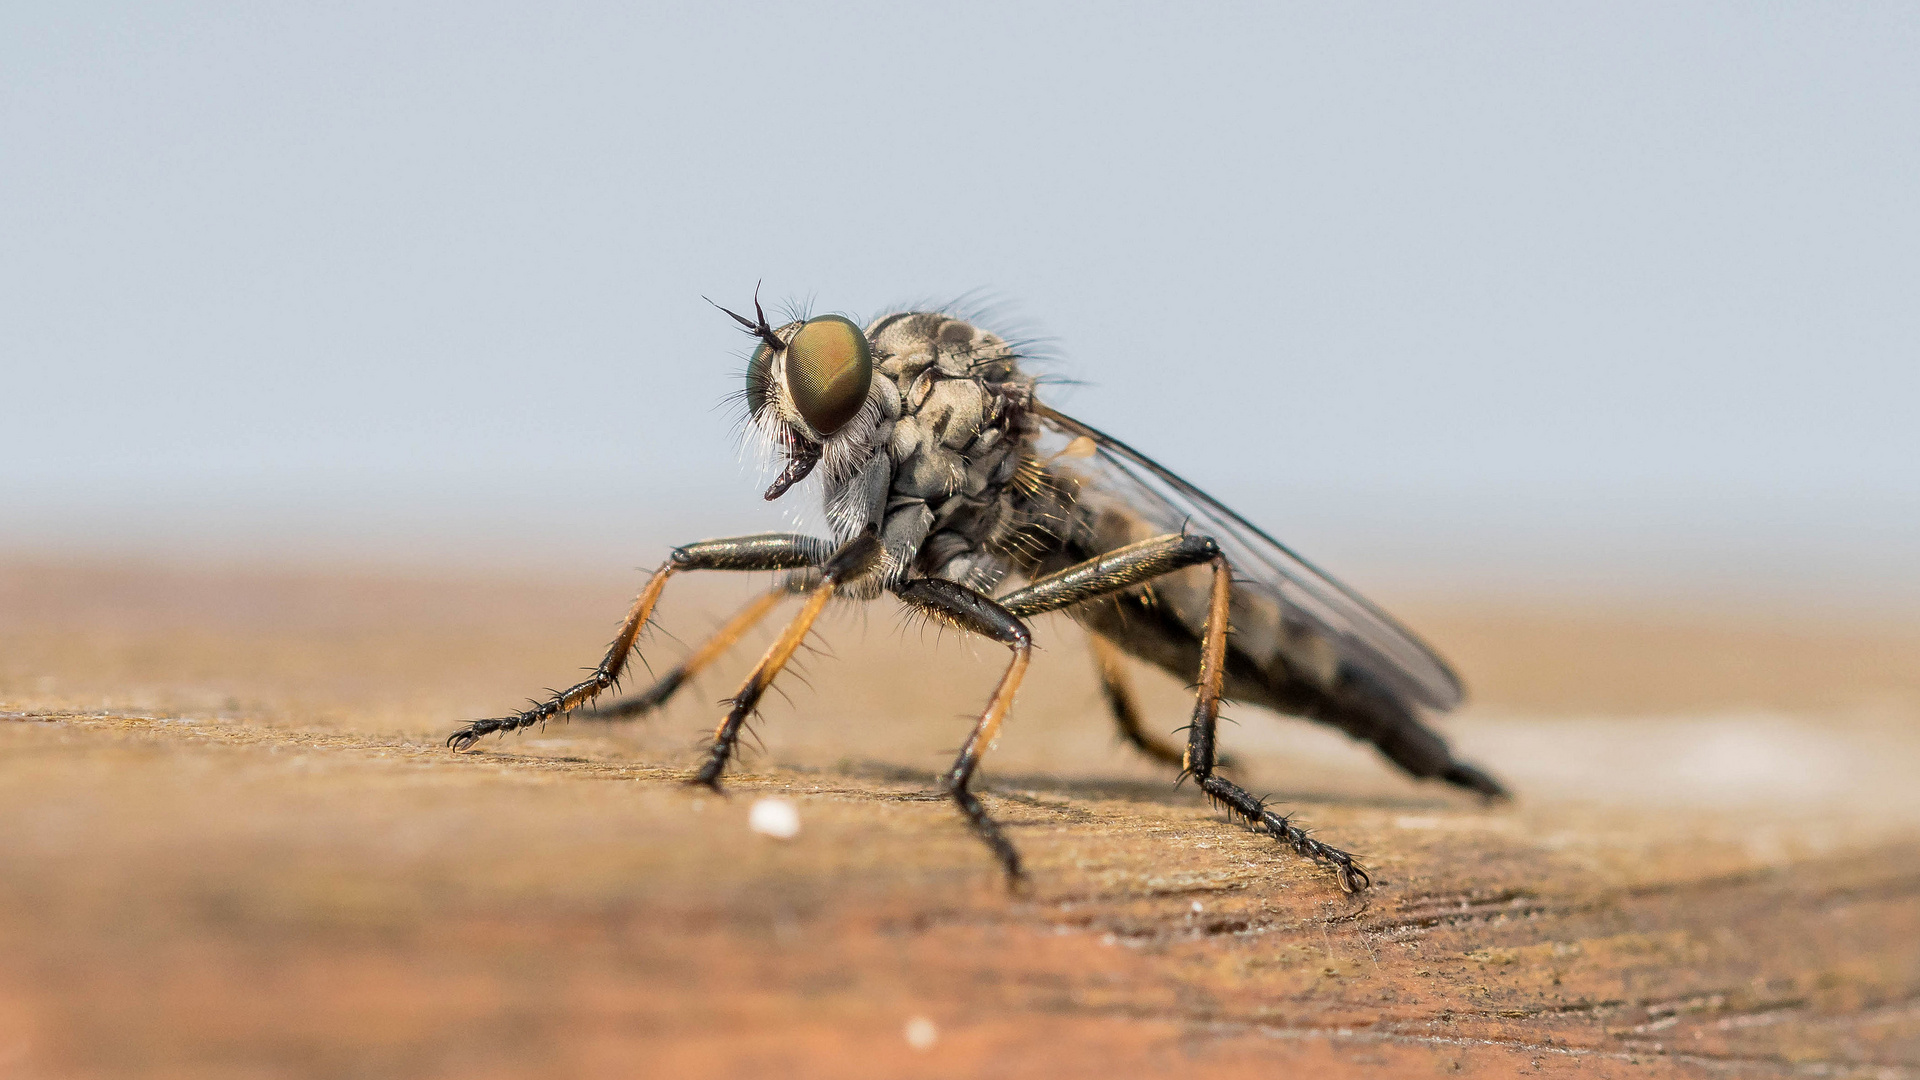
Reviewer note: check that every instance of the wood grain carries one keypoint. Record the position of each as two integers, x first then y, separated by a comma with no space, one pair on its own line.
234,846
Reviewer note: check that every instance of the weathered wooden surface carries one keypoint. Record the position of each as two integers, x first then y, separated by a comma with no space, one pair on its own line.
233,846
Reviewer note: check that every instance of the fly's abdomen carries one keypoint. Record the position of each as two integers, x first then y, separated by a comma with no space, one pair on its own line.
1274,660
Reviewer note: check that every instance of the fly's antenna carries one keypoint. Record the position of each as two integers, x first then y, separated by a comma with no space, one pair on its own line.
756,326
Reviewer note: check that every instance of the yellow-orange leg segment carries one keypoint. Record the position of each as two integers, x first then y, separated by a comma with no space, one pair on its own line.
744,702
710,650
1213,671
856,558
1118,691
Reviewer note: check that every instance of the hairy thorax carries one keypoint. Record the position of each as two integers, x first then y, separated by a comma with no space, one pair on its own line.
951,442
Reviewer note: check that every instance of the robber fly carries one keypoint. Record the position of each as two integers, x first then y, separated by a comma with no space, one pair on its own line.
946,480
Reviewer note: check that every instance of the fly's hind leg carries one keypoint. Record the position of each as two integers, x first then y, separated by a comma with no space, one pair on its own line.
1136,563
771,551
1119,694
959,606
710,650
1117,689
1201,754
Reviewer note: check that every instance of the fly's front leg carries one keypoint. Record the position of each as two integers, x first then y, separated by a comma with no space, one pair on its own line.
962,607
1136,563
772,551
723,639
856,558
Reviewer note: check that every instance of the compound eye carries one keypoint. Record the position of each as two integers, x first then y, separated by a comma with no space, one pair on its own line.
759,379
829,369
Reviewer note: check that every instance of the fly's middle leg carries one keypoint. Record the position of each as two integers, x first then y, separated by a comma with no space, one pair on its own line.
959,606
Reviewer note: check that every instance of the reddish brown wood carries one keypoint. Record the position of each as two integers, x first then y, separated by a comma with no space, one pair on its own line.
233,846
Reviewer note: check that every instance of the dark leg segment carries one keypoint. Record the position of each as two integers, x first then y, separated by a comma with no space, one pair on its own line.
1201,757
771,551
856,558
962,607
1116,570
723,639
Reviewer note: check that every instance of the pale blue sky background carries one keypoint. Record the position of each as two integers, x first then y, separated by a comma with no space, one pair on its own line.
1595,296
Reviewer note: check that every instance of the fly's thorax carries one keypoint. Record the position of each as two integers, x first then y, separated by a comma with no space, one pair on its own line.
906,345
959,389
930,454
955,447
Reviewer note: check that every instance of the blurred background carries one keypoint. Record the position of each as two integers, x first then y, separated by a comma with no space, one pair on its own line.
1604,299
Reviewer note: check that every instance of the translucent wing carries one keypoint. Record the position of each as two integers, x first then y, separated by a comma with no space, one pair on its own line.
1360,634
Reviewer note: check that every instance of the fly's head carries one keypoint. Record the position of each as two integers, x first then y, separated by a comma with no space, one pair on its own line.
810,391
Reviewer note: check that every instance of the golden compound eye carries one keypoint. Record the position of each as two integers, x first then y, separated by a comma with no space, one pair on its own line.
829,369
759,379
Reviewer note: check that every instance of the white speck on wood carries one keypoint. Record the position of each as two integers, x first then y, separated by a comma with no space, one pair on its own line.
774,817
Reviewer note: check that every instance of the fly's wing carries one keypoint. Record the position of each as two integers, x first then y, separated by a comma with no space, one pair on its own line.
1305,599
